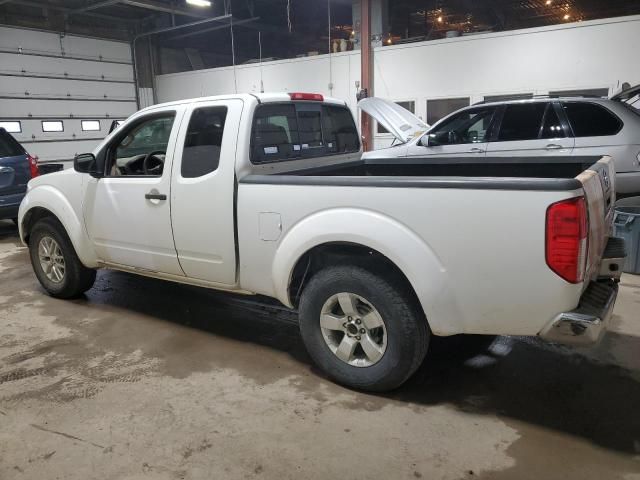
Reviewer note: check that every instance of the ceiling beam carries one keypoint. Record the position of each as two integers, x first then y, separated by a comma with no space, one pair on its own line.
144,4
67,11
217,27
93,6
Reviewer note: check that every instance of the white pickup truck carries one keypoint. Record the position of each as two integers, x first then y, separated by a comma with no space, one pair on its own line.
268,194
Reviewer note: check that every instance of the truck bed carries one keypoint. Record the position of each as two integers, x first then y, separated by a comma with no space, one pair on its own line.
517,173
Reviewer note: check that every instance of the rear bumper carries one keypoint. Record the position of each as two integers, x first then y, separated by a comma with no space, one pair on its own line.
9,205
586,324
628,183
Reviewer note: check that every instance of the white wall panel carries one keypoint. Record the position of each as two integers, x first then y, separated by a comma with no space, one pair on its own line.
594,54
48,76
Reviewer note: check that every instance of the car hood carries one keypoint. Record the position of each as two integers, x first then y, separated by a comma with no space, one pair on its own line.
399,121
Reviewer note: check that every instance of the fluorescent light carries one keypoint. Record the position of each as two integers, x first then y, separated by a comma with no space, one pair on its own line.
199,3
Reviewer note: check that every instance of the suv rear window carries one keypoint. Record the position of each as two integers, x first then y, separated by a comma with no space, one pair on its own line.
289,131
591,120
9,147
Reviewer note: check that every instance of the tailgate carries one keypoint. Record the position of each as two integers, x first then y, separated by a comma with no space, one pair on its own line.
598,182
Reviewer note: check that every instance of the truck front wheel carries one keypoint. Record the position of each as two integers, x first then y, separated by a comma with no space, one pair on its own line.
55,261
363,330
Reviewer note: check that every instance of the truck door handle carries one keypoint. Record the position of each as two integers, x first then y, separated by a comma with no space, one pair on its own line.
155,196
476,150
554,146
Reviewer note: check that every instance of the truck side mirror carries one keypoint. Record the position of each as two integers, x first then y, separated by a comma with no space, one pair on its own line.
87,163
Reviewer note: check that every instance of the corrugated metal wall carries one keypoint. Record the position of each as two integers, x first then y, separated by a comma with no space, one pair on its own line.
49,77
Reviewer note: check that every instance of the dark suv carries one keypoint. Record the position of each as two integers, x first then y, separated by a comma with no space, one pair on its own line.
17,167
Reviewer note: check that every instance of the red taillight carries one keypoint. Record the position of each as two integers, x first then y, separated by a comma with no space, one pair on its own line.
33,166
566,242
315,97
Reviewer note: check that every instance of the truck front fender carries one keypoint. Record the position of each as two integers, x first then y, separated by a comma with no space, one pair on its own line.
402,246
49,198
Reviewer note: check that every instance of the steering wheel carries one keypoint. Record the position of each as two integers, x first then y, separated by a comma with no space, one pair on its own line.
153,167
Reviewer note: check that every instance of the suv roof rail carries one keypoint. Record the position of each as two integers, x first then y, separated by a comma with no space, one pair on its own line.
532,97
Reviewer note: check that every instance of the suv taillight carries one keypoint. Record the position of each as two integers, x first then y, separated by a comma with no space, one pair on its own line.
566,238
33,166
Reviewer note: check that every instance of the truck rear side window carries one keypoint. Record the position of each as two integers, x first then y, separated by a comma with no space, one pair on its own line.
201,154
301,130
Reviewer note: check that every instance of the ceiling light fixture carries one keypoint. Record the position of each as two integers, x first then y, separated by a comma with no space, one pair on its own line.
199,3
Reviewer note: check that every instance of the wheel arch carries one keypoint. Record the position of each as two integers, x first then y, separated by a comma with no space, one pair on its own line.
366,238
48,202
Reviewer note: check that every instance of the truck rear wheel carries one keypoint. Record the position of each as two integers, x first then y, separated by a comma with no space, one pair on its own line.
362,330
55,262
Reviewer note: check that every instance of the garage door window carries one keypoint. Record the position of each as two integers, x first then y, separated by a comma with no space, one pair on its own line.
201,154
591,120
52,126
90,125
522,122
12,127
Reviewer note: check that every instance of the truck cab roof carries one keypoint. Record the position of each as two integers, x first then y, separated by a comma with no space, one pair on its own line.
270,97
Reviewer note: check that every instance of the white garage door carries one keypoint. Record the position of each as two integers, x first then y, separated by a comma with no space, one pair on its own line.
60,93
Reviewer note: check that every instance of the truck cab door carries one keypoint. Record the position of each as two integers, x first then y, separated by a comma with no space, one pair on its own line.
464,134
127,212
203,191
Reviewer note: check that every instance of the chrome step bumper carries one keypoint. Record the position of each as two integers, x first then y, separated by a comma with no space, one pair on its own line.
586,324
613,259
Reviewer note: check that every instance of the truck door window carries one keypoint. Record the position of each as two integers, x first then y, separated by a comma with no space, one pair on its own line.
201,154
522,121
275,134
469,126
149,136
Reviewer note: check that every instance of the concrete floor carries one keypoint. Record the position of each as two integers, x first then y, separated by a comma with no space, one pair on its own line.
144,379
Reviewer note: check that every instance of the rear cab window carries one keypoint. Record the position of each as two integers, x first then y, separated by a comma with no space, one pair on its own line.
294,130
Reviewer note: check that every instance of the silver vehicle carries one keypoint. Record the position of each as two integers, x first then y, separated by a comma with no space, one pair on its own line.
537,127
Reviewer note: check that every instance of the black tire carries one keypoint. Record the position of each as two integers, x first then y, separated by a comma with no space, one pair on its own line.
77,278
406,327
